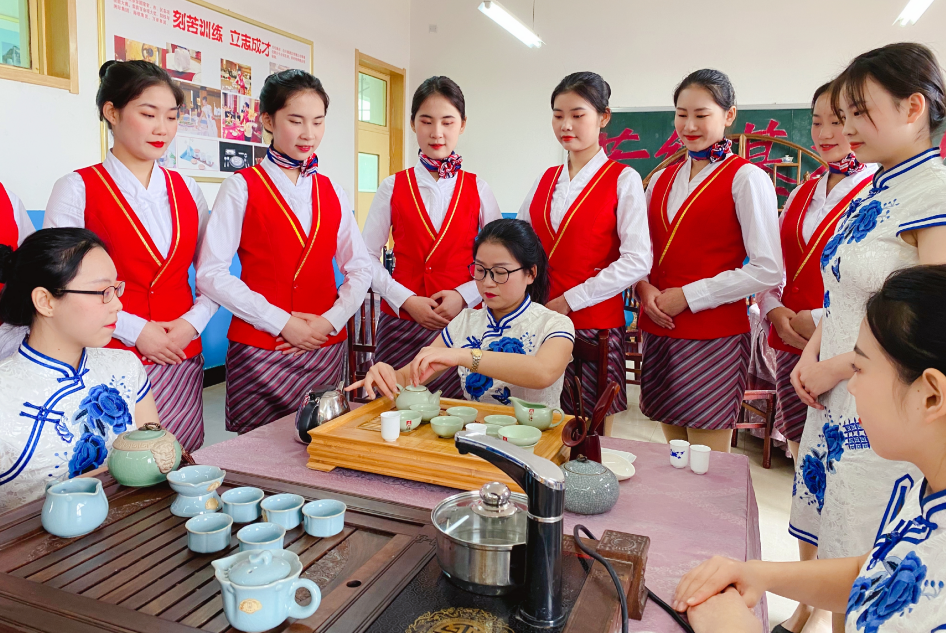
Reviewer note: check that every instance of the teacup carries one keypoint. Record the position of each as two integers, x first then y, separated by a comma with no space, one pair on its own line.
261,536
476,427
500,420
325,517
522,436
283,509
74,507
467,414
446,426
427,411
208,533
242,503
410,420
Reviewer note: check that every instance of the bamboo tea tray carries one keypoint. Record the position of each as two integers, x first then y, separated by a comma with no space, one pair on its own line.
354,441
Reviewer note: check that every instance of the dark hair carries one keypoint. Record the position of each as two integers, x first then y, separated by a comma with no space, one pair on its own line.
589,86
714,82
122,82
50,259
906,318
280,87
519,238
820,90
439,85
902,70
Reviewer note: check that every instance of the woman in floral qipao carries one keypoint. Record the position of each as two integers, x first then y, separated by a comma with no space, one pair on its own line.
515,347
899,586
63,400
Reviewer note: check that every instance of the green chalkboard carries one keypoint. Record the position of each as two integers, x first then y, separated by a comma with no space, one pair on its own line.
645,139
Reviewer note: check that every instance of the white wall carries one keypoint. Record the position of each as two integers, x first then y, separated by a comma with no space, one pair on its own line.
47,132
774,52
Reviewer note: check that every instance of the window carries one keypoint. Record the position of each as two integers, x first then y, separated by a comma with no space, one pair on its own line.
372,99
38,42
367,173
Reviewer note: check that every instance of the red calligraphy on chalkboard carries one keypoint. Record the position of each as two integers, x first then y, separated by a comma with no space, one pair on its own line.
612,145
759,152
670,146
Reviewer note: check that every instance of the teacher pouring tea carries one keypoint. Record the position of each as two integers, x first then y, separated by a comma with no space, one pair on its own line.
515,347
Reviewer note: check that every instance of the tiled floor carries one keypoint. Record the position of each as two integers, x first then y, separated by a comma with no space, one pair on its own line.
773,487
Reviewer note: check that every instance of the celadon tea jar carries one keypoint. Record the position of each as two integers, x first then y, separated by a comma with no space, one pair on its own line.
144,456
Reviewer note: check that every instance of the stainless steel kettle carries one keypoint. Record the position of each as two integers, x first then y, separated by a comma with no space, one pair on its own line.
321,404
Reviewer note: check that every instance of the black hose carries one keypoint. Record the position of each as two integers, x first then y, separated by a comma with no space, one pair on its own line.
617,583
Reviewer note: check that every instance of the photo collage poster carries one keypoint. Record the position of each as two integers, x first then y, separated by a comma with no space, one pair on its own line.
220,62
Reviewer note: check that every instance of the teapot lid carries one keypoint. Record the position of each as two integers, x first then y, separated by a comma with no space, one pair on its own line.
259,568
584,466
146,432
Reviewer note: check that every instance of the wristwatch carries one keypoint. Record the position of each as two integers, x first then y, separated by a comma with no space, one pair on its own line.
477,355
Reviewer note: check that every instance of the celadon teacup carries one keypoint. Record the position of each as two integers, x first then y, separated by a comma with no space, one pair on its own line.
428,411
208,533
522,436
324,517
283,509
410,420
242,503
467,414
446,426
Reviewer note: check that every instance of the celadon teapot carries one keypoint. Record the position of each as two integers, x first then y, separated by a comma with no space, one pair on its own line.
415,395
259,589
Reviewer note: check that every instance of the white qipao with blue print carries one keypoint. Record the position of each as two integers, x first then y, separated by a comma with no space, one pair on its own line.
57,422
522,331
842,488
900,588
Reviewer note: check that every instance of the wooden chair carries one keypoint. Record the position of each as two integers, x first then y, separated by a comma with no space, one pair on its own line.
362,329
586,352
759,390
633,358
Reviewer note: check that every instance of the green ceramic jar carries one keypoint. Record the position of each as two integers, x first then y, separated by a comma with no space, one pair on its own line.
144,456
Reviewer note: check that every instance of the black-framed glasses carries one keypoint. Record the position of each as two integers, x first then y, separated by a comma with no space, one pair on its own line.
107,295
497,273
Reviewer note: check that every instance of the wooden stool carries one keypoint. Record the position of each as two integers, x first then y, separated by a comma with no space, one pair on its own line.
758,390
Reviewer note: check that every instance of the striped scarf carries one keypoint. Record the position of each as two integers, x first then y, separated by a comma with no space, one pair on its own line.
445,168
715,152
306,167
848,166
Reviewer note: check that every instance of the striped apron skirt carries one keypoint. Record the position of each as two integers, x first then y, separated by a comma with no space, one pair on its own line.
617,372
699,384
400,340
790,411
178,394
265,385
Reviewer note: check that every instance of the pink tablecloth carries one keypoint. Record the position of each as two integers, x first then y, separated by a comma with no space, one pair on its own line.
687,517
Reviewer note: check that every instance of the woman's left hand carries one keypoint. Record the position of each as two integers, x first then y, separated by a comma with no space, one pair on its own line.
430,360
559,305
451,302
672,301
803,323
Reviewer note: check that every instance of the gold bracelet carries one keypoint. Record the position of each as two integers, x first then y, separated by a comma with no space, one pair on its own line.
477,354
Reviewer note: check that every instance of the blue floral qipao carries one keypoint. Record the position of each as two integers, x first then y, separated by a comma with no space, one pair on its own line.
57,422
522,331
900,588
842,488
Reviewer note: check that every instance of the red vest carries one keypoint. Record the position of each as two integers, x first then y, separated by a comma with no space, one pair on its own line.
427,261
804,287
586,243
9,232
156,287
291,270
703,240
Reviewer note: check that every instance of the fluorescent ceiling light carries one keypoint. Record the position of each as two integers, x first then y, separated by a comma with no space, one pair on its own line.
501,16
912,12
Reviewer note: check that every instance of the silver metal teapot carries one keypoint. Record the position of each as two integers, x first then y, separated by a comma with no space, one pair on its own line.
321,404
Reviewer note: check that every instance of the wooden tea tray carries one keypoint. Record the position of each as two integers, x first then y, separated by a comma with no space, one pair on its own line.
354,441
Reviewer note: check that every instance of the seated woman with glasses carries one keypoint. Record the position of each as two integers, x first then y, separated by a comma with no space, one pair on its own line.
63,400
515,347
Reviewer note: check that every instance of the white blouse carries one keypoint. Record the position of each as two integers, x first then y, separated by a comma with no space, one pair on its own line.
636,252
66,207
436,195
24,225
822,203
757,210
222,241
57,422
522,331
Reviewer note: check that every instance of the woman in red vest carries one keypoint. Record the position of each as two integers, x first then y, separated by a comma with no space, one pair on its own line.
592,220
707,214
434,211
150,220
287,222
15,226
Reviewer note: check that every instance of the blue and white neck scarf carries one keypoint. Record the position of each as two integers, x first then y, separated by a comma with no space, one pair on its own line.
445,168
715,152
847,166
306,167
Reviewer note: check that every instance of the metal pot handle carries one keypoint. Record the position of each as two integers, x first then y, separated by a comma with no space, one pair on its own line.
298,611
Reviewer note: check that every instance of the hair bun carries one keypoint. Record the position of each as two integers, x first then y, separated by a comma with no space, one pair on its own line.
6,263
106,66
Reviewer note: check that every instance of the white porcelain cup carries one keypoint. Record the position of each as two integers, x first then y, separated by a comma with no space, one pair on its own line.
679,452
390,425
476,427
699,458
